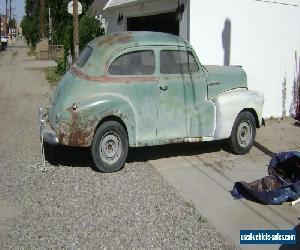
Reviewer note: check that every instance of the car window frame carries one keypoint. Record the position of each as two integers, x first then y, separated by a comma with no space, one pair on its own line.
185,49
129,50
86,47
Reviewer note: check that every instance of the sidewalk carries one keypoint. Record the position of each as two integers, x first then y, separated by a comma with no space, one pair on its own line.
205,180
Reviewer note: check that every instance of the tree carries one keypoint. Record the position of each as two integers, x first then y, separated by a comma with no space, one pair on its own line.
89,28
12,23
30,22
62,29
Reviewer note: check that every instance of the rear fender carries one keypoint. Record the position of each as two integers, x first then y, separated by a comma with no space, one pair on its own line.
80,125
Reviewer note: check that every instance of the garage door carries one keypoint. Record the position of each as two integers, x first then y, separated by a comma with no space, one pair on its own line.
165,22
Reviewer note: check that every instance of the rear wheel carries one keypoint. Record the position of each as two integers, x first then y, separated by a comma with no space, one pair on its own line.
110,147
243,133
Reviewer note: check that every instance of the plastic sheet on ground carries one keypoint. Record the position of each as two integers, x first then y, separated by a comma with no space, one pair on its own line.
282,184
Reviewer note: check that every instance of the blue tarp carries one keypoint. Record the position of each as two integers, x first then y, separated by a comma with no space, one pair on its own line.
282,184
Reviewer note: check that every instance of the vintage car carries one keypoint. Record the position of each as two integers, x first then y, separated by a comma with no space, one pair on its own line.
137,89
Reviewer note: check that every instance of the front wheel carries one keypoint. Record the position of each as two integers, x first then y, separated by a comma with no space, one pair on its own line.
110,147
243,133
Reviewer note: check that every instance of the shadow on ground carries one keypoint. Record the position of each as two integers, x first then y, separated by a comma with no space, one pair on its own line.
68,156
263,149
296,124
81,157
173,150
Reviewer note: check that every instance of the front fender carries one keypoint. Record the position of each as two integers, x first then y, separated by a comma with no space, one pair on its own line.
78,125
229,104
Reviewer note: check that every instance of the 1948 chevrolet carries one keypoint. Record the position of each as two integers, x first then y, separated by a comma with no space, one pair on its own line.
137,89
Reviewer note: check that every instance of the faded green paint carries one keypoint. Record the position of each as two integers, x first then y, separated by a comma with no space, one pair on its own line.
222,78
151,116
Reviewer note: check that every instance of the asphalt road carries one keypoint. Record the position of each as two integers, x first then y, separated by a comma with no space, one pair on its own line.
70,205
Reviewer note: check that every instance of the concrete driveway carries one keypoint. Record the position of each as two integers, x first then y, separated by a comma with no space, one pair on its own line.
205,174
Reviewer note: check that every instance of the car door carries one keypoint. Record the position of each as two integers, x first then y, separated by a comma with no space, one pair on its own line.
183,108
134,70
200,110
172,115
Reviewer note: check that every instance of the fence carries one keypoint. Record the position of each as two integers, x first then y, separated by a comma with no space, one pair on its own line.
53,52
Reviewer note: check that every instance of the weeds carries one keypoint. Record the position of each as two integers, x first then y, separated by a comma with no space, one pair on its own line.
31,52
52,76
190,204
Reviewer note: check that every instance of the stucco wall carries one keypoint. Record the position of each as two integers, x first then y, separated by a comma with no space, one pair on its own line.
260,36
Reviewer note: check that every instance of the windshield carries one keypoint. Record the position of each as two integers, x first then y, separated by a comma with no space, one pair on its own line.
84,56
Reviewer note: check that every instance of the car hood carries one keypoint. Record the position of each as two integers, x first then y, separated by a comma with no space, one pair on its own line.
224,78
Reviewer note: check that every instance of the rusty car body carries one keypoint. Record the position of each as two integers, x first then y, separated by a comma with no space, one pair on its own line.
144,89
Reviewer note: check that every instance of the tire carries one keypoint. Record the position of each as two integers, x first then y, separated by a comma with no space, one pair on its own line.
110,147
243,133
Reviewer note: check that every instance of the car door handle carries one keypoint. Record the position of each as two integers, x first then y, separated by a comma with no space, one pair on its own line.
163,87
213,83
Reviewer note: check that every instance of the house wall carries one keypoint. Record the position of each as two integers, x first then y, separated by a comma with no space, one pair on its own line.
262,36
259,35
3,25
145,9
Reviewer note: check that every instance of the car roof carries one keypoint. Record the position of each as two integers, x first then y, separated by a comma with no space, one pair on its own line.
105,47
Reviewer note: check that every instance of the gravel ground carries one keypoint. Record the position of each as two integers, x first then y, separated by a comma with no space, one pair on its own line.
69,204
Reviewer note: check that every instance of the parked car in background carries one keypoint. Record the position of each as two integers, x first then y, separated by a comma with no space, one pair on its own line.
4,42
138,89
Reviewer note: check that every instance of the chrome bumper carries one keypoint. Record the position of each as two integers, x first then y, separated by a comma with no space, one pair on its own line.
46,135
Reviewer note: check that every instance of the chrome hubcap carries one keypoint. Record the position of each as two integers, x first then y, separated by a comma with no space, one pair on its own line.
244,134
110,148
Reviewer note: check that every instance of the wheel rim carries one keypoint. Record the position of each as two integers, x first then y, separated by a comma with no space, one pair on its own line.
110,148
244,134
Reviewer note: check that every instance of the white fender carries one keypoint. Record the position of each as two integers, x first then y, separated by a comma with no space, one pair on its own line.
229,104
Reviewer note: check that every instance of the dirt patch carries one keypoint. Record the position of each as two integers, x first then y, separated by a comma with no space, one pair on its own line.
14,54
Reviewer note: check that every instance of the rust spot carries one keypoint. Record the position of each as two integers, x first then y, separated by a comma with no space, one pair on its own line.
108,79
77,132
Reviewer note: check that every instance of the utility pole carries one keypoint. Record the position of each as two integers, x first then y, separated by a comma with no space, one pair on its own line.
10,10
42,18
6,17
75,30
50,23
50,33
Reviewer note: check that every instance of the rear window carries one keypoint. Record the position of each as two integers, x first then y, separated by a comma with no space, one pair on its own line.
177,62
84,56
134,63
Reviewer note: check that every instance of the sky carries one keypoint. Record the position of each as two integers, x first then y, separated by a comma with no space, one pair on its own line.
17,4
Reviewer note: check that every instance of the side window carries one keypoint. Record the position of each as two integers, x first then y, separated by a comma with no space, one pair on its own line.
134,63
177,62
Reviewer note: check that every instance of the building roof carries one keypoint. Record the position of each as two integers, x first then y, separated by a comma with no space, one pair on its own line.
98,6
117,3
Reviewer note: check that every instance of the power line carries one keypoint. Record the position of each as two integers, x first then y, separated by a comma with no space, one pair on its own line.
10,10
